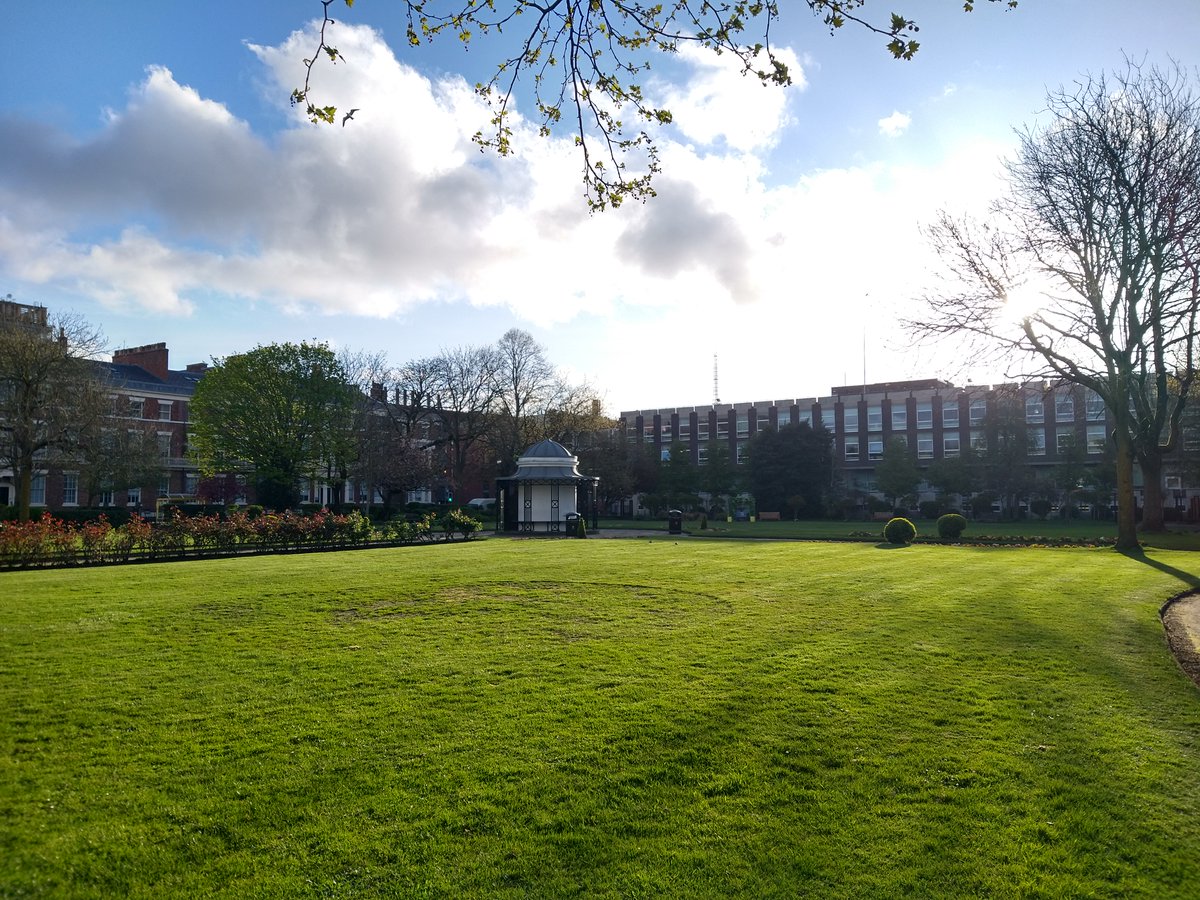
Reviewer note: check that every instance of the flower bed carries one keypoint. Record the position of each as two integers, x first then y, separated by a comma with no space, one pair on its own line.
50,542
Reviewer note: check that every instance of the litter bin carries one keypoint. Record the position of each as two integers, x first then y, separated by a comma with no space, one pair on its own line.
675,521
572,524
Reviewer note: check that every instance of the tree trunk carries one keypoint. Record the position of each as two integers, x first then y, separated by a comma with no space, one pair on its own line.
1152,513
24,479
1126,505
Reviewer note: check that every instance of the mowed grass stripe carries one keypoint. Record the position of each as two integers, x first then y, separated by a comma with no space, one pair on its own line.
600,718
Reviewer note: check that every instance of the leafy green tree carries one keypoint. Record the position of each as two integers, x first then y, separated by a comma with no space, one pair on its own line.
719,477
586,62
954,476
679,479
271,411
53,397
897,474
790,469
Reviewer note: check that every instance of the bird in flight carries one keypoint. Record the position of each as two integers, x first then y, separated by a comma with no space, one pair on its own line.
348,116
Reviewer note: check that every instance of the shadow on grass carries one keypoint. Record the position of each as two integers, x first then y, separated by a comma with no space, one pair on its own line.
884,545
1139,555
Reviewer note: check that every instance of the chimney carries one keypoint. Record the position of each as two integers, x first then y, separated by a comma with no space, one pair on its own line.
377,391
197,367
150,357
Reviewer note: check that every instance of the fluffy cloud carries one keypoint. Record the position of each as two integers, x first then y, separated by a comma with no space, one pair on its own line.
895,124
175,199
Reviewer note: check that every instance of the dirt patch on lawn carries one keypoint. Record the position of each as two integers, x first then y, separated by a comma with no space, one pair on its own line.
1181,619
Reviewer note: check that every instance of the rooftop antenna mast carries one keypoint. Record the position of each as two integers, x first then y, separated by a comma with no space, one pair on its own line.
716,392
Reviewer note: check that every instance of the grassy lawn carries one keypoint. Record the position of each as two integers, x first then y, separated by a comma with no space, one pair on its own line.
601,719
1181,539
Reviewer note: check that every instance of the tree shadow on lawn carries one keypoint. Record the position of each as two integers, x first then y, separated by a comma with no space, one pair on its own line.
1139,555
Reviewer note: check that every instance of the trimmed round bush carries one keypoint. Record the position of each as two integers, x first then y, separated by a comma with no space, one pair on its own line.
899,531
951,526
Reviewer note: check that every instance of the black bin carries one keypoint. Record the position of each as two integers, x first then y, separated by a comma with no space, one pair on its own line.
675,521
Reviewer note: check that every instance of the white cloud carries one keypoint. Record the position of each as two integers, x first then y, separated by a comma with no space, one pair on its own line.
175,199
718,103
895,124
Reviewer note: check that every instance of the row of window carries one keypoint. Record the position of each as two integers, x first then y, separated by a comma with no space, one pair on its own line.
1064,411
136,409
70,490
952,446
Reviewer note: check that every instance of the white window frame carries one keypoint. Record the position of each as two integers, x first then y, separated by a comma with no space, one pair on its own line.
924,446
951,446
70,489
950,416
925,414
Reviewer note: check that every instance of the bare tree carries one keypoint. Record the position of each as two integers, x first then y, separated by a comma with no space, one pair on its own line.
1102,225
526,385
467,389
53,395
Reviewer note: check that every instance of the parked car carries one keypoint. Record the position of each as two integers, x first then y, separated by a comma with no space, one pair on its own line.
482,503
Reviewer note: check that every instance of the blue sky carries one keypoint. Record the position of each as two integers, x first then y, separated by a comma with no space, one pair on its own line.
154,178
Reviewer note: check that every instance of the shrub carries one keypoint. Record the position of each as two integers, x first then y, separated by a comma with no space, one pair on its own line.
1040,507
899,531
950,526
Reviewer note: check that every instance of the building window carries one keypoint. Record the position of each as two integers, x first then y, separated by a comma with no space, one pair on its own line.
899,418
70,489
702,431
1035,410
190,482
784,417
164,485
37,491
685,429
1191,439
805,417
135,407
648,434
702,455
1096,439
978,412
874,418
925,415
852,448
1064,441
743,454
950,446
743,427
827,419
665,431
950,416
106,498
133,497
1064,408
164,410
901,439
979,440
850,419
924,446
875,449
764,422
1094,407
164,444
1037,441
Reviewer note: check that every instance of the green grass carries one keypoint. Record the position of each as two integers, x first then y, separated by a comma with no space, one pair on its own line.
601,719
823,529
